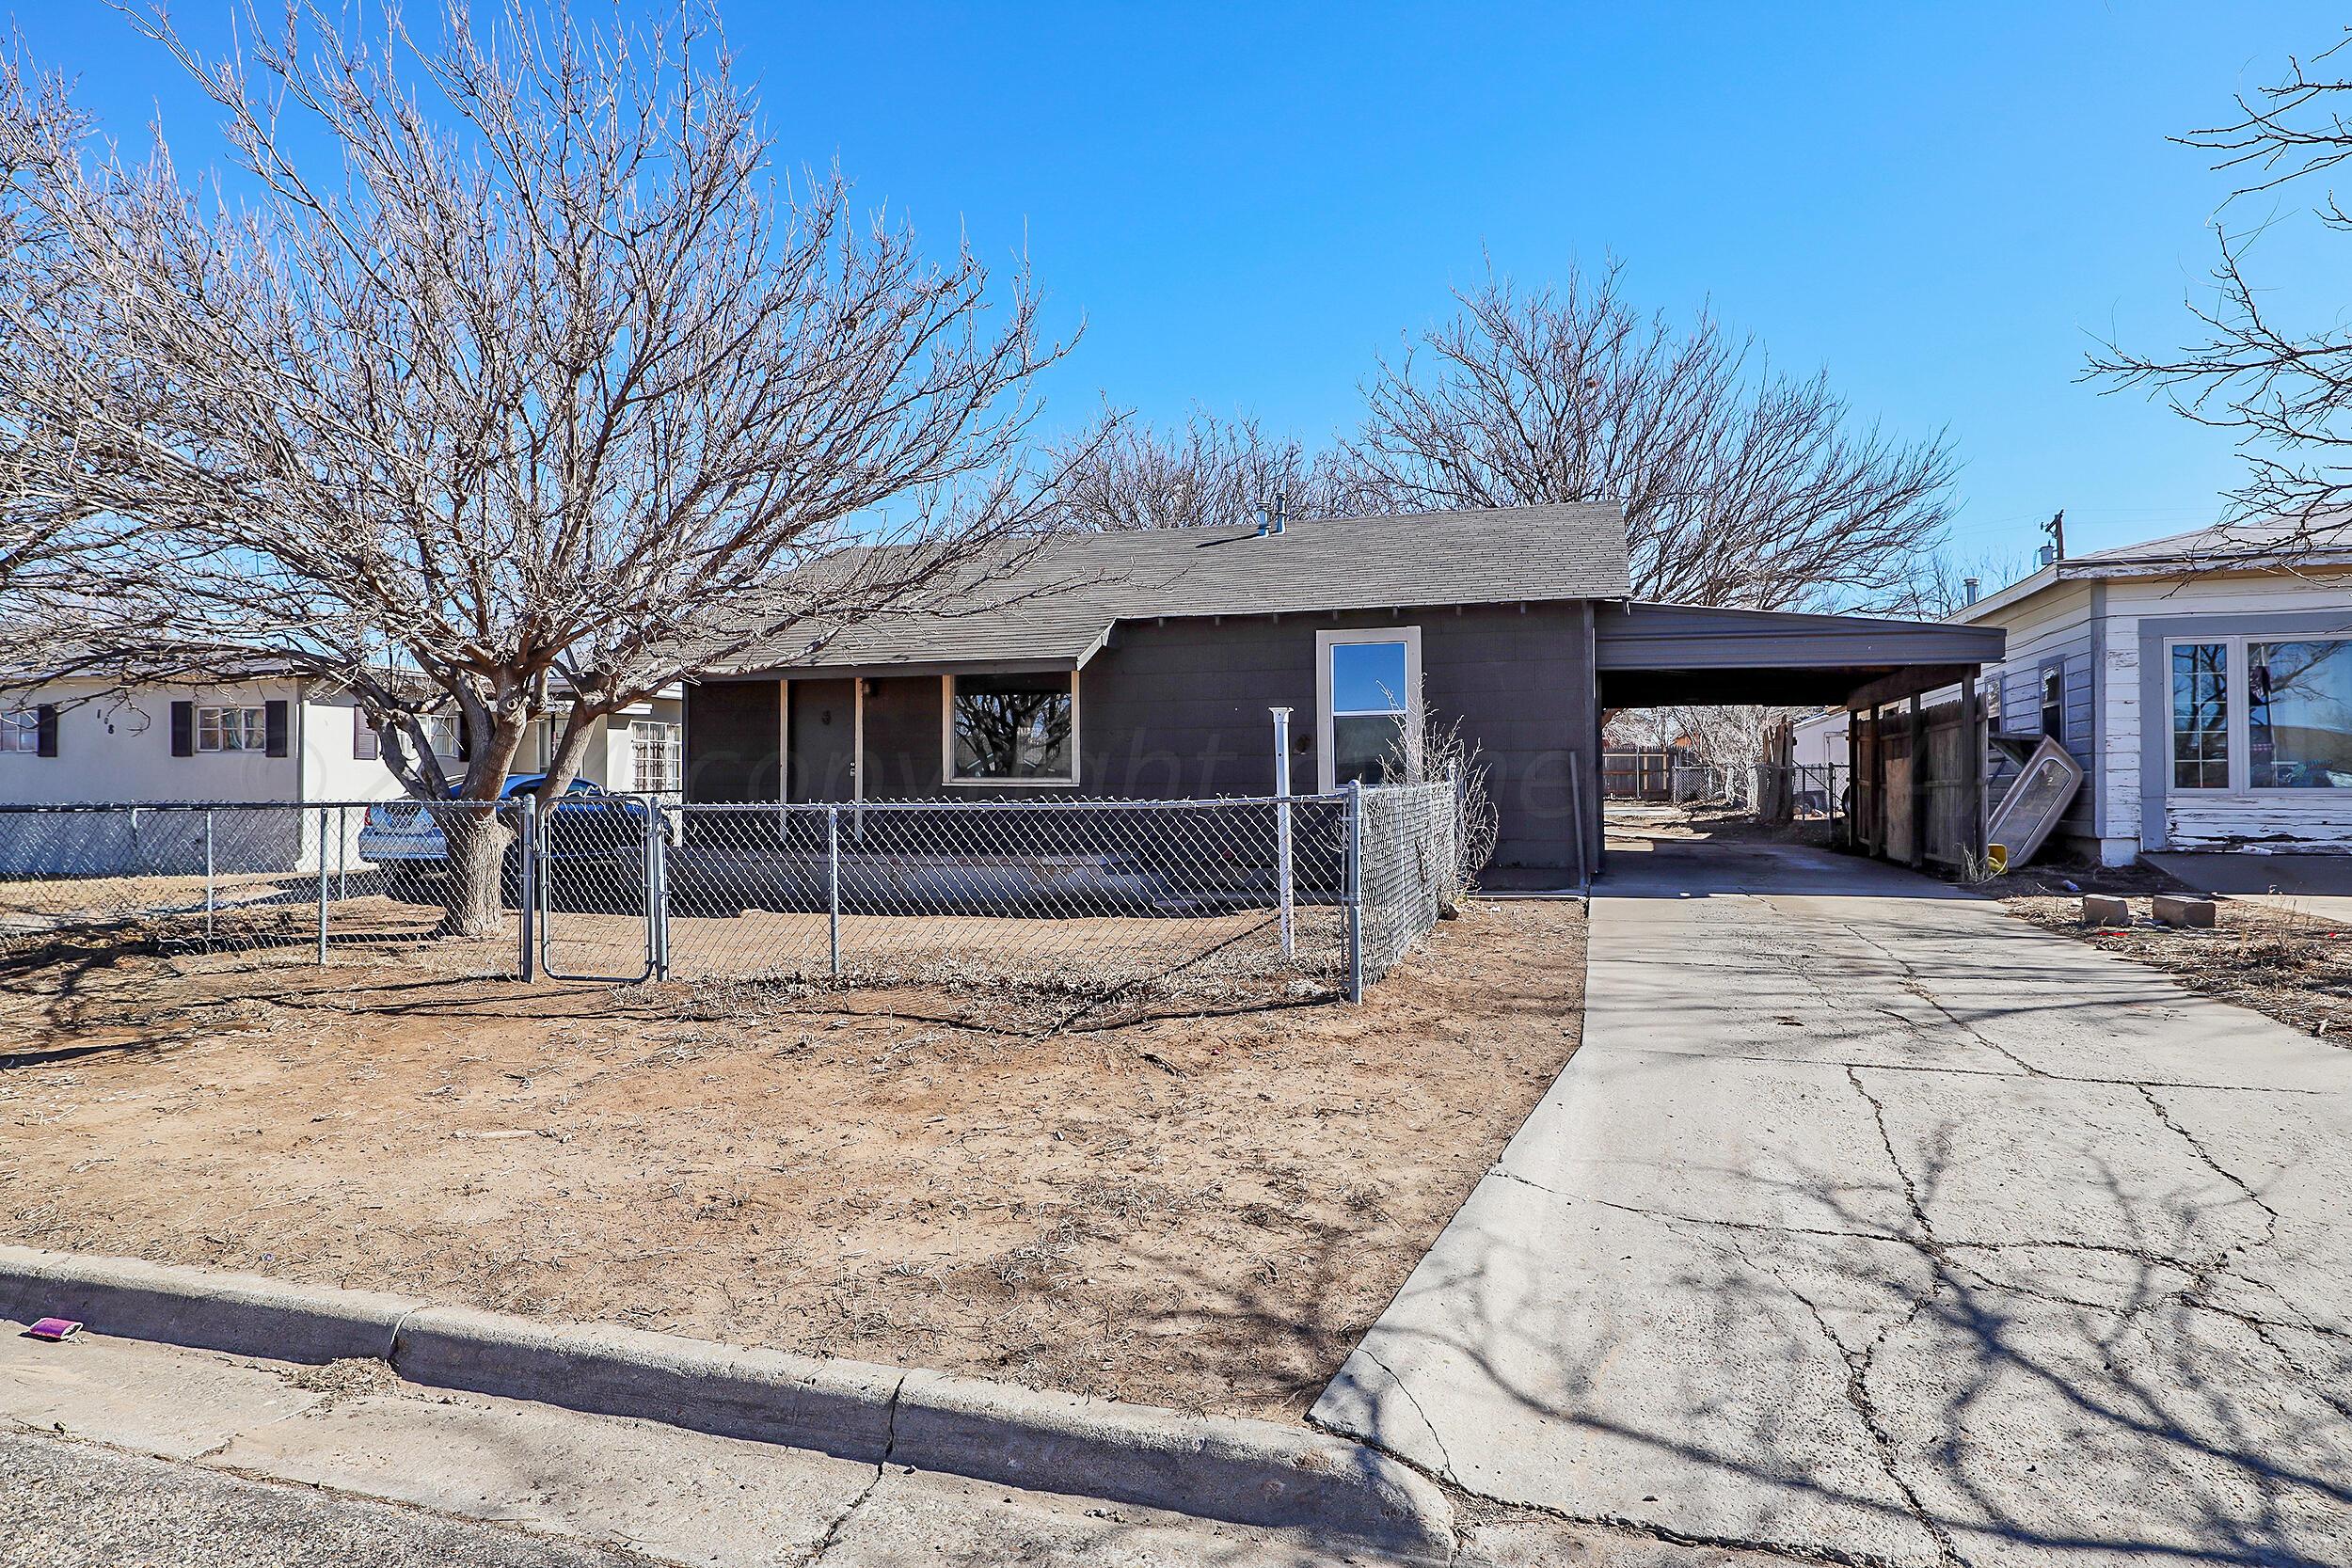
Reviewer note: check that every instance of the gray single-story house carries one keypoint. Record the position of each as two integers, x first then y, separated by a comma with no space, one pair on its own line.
1143,666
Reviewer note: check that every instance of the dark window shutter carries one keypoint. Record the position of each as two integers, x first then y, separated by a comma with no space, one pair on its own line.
366,745
274,729
465,739
184,729
45,731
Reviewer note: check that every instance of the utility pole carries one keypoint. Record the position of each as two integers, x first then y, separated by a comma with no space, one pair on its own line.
2056,529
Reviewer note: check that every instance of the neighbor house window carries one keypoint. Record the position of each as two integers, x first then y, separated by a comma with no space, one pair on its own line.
230,729
1368,701
2053,702
21,732
1012,728
2298,715
441,733
653,748
2201,716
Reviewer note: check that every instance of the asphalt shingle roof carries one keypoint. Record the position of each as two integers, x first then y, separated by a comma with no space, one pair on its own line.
1059,605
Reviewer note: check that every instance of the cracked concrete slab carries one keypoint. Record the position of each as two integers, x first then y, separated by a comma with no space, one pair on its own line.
167,1402
682,1495
1868,1222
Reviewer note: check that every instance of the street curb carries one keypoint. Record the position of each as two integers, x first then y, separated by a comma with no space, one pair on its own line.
248,1314
1244,1472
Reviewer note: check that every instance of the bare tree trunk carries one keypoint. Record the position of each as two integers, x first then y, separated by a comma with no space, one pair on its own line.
476,837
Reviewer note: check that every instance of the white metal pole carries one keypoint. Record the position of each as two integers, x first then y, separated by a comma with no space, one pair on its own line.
833,887
526,914
1355,889
322,885
1282,827
208,877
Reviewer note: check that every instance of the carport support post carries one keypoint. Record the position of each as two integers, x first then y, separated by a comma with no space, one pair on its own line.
527,893
1853,780
1919,785
1355,895
1282,825
833,888
1971,779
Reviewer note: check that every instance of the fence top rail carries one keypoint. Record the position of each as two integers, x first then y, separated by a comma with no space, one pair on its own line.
30,807
953,803
1088,803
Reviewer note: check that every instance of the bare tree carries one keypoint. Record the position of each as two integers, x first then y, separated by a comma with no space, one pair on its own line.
2284,388
1942,584
541,390
49,535
1210,473
1742,485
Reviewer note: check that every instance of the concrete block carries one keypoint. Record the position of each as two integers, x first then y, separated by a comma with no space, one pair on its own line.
2099,909
1242,1471
2183,909
836,1407
243,1313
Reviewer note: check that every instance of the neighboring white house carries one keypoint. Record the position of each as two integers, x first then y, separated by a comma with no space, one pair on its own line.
2204,681
264,739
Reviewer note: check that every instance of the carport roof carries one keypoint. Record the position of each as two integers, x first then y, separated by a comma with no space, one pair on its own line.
1650,655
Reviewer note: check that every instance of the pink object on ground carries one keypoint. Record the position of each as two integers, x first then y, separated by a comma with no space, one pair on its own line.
54,1329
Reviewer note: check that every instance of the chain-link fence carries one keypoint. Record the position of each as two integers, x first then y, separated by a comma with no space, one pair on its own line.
1082,896
238,880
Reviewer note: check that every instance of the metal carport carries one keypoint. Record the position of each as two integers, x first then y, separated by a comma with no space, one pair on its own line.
1660,655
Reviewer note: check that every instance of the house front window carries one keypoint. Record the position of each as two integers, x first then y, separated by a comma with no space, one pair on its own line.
654,754
230,729
2201,716
21,732
2299,713
1367,705
1004,728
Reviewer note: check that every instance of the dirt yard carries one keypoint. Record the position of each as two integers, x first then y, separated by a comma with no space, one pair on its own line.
2276,961
1197,1199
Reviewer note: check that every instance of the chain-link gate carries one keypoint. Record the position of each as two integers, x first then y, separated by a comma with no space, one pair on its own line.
593,865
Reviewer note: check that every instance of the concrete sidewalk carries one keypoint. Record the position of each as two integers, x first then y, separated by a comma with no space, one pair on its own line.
123,1451
1870,1223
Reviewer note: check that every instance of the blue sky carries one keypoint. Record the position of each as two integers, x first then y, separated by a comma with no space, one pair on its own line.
1943,205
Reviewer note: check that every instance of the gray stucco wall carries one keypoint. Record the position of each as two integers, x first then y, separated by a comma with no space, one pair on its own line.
1179,710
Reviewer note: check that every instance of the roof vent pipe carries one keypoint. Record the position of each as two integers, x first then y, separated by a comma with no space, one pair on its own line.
1278,508
1969,587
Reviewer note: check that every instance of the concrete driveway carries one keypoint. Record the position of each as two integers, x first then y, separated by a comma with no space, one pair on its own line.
1871,1223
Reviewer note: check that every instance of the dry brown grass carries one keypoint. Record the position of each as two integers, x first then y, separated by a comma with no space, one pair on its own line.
2275,960
1196,1194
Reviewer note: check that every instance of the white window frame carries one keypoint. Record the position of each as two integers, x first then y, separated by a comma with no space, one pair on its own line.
948,738
1324,643
208,719
2241,726
20,733
668,741
438,727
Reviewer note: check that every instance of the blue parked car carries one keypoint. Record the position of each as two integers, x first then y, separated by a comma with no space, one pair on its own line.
585,824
